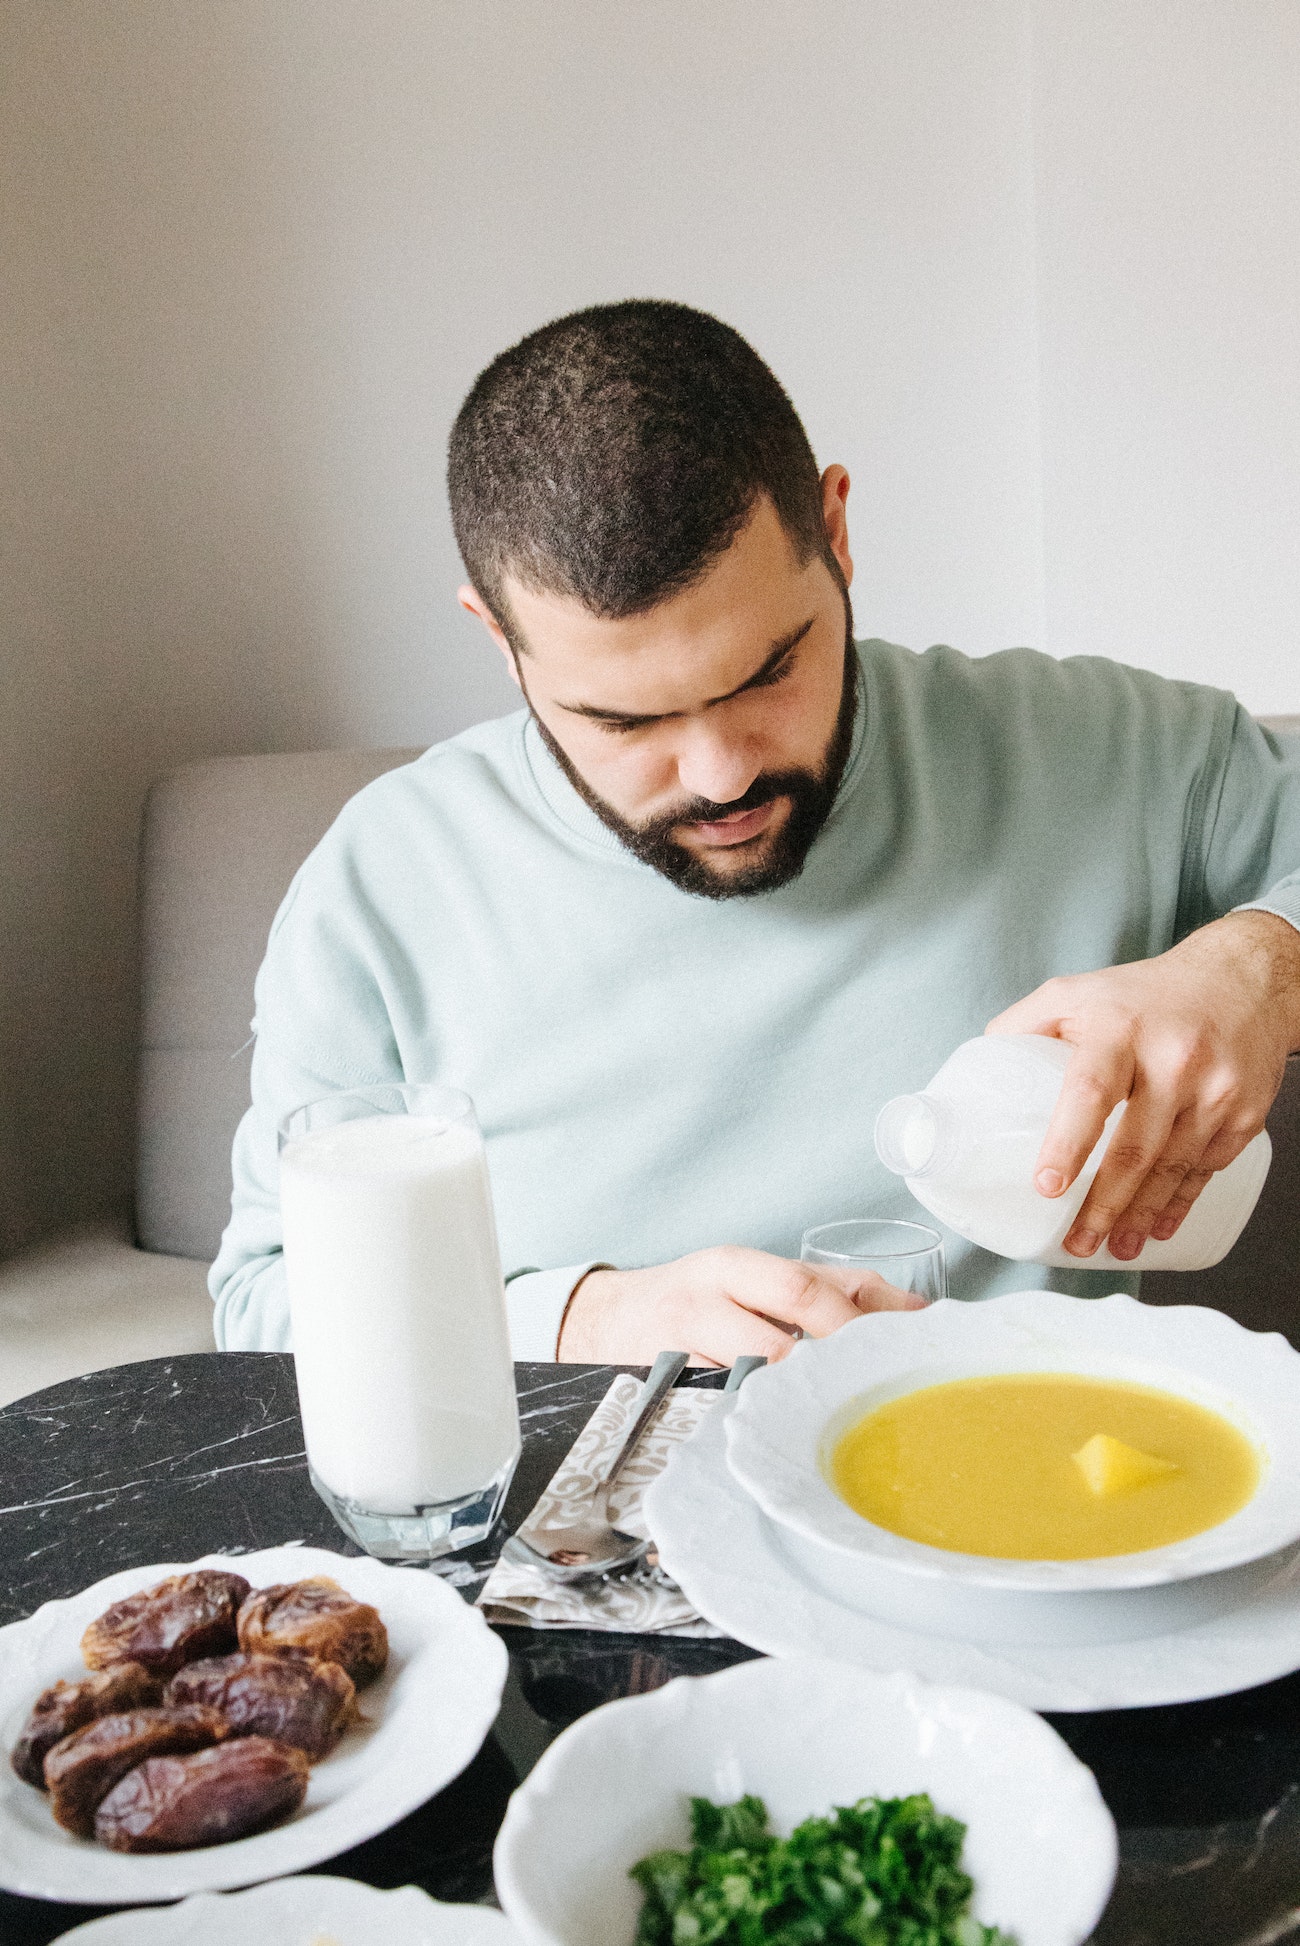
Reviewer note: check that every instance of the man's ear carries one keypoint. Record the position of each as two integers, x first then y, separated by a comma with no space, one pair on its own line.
835,493
473,603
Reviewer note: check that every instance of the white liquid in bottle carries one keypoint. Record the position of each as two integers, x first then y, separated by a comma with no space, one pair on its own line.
968,1147
398,1310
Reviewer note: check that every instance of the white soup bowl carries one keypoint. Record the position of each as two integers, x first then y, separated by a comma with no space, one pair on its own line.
789,1417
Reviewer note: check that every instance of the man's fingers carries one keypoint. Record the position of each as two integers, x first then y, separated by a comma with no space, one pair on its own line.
1094,1083
1140,1139
1172,1183
1202,1139
869,1291
1170,1218
748,1313
1193,1041
719,1331
1198,1148
1168,1180
802,1296
791,1293
727,1303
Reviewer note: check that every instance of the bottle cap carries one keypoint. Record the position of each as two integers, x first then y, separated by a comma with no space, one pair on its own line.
907,1134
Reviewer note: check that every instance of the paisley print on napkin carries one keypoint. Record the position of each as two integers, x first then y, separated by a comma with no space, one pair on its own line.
643,1601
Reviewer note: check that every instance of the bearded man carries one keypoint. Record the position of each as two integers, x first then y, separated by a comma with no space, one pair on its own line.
731,879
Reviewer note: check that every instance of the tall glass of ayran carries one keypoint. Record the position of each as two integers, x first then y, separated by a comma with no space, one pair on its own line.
399,1322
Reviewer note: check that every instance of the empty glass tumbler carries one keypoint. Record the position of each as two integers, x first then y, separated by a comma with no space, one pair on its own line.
405,1378
907,1255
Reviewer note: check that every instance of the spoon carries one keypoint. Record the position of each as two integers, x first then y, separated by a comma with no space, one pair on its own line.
591,1544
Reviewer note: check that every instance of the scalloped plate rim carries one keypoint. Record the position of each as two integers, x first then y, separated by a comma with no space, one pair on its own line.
411,1917
773,1437
735,1565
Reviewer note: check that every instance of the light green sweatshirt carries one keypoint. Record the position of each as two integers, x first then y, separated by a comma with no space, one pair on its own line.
654,1071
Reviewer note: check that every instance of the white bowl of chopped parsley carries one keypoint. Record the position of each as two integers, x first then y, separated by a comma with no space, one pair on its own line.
807,1803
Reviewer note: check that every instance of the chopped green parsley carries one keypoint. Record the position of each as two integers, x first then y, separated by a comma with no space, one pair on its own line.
882,1872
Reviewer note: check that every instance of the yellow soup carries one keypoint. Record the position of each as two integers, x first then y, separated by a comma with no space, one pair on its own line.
1044,1466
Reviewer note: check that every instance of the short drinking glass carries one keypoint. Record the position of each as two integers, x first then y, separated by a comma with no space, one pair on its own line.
906,1255
399,1324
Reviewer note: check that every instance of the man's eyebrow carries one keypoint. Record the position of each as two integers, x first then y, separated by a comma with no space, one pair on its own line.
767,667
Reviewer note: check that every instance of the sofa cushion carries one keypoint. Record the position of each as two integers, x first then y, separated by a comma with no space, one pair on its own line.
222,839
89,1299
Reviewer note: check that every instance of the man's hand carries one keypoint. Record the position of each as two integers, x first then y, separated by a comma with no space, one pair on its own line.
717,1305
1195,1041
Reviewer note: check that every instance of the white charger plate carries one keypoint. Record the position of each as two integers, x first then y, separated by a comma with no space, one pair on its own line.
351,1913
780,1438
787,1595
804,1736
423,1720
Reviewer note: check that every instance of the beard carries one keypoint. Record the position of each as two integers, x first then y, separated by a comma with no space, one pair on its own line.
812,795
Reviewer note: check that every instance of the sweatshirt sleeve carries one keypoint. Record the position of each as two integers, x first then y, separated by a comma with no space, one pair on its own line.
536,1301
247,1281
1251,858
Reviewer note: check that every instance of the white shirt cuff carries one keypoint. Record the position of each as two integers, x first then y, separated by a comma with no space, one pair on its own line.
535,1306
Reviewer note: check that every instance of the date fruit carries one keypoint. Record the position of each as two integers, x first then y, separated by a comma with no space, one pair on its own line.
319,1617
82,1769
182,1618
69,1706
180,1803
294,1698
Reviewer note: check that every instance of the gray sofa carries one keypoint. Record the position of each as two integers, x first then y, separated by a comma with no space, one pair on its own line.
221,841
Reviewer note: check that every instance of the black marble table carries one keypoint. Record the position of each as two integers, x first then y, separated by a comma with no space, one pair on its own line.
180,1457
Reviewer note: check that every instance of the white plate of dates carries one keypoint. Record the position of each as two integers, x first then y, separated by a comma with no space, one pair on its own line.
190,1727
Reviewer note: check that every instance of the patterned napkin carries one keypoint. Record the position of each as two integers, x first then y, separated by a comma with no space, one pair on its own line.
642,1601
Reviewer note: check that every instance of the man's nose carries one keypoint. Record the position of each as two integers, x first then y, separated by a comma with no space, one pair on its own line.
714,765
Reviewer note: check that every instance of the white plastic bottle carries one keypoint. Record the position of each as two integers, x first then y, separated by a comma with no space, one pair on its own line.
968,1147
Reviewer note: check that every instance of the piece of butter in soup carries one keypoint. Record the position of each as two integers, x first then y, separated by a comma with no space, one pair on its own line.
1110,1466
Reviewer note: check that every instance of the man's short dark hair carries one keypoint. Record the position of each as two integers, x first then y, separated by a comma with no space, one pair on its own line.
615,453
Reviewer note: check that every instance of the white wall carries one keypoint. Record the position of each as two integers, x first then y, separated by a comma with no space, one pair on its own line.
253,252
1168,209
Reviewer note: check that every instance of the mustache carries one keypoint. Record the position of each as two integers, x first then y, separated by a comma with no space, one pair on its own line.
811,792
765,789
